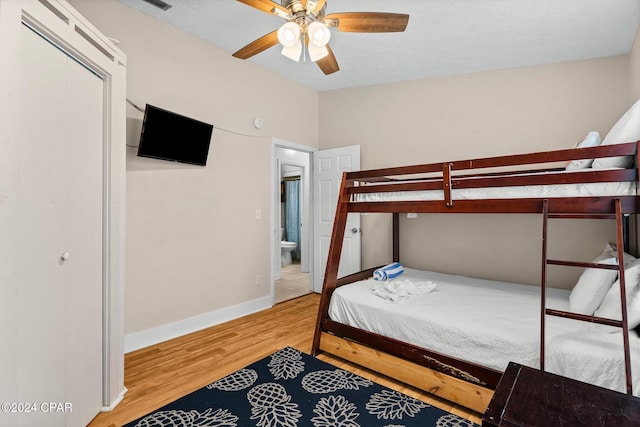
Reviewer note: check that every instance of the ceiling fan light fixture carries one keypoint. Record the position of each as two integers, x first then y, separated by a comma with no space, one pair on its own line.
293,52
319,34
317,52
289,34
308,25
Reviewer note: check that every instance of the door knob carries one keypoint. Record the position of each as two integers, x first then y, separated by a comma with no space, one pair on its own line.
354,230
65,256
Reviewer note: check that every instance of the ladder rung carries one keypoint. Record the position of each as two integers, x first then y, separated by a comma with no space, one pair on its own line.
583,264
584,317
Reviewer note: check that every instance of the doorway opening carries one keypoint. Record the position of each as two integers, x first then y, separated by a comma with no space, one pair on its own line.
292,223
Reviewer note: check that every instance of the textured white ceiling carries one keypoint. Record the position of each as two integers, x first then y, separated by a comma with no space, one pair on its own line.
443,37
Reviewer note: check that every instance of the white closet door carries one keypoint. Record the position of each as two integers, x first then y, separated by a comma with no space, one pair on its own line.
41,227
60,217
84,240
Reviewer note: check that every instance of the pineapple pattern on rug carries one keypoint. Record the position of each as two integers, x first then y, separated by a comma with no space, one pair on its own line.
292,389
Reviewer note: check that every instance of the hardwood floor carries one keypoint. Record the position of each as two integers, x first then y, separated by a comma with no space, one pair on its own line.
164,372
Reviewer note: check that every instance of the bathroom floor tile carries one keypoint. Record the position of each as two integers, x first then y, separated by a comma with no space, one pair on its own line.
293,283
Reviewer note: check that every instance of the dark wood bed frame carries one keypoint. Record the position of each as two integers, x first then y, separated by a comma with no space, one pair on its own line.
463,382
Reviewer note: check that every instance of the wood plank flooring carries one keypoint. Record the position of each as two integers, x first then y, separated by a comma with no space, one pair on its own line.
164,372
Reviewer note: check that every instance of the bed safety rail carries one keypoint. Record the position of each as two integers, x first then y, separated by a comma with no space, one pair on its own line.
542,168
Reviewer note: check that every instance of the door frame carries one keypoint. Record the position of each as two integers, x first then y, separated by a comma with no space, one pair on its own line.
275,208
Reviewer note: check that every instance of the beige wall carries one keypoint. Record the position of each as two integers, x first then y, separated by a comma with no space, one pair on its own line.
194,245
481,114
478,115
634,70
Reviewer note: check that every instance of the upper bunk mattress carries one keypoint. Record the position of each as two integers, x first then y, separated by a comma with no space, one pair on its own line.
595,189
489,323
599,189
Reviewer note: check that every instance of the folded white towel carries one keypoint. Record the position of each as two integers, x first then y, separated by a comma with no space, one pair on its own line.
388,271
399,290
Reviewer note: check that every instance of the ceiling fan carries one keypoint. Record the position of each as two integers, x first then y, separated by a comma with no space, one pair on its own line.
308,25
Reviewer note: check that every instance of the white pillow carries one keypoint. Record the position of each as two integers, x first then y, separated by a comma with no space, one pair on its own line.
592,139
633,309
594,283
610,307
588,293
627,129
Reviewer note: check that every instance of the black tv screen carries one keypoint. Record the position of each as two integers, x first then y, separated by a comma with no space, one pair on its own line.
170,136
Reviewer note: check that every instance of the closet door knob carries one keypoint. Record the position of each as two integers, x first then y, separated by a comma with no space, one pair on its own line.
354,230
65,256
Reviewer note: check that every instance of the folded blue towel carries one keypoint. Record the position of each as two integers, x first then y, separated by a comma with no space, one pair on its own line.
388,271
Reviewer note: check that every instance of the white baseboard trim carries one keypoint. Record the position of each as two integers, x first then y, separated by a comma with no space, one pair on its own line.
169,331
117,400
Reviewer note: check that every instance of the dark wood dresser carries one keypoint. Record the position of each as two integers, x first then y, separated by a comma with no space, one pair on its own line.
527,397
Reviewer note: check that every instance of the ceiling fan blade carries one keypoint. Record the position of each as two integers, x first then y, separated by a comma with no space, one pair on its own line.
328,64
367,22
258,45
267,6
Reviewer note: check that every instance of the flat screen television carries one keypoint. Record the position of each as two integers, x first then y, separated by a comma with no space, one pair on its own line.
170,136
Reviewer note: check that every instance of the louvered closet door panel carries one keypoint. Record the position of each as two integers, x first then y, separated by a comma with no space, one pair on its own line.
60,238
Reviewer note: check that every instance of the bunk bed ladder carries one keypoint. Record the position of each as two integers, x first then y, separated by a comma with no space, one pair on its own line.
620,232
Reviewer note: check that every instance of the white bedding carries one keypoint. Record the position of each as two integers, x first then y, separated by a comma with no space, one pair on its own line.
490,323
517,192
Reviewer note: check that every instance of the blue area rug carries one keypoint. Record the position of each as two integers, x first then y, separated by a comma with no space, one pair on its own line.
290,389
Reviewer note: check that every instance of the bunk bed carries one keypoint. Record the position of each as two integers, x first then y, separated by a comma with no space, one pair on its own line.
533,183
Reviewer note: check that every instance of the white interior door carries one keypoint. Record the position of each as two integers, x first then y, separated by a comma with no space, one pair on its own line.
41,227
328,166
85,124
59,245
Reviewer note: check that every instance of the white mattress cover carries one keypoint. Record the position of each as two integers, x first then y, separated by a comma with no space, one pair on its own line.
490,323
597,189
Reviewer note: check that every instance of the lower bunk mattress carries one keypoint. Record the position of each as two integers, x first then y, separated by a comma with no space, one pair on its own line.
490,323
